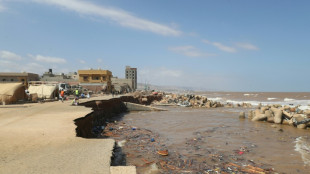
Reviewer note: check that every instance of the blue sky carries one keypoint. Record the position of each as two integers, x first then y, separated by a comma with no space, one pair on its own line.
215,45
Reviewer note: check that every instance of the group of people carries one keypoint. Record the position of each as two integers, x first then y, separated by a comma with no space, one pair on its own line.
75,101
76,98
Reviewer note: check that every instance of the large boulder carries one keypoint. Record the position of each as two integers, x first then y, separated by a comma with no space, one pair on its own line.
263,109
242,115
270,116
250,114
301,126
277,115
208,104
258,116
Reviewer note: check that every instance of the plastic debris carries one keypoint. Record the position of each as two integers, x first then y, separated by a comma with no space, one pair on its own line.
163,152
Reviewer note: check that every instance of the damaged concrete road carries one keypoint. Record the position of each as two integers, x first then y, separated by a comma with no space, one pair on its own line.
41,138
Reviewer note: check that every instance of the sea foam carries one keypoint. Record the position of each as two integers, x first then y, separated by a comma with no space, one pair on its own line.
288,99
303,147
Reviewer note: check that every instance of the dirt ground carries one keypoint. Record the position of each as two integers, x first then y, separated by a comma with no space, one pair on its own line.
40,138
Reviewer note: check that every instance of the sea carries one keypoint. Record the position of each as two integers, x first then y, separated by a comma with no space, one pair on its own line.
283,148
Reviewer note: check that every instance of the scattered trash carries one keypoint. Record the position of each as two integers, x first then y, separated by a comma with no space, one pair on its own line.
111,128
163,152
149,157
121,143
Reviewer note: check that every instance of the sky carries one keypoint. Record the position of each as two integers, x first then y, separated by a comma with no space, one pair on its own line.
222,45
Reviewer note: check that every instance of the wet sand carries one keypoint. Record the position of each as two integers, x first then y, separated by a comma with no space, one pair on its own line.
219,131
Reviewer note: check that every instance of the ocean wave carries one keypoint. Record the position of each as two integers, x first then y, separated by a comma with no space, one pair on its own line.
302,104
288,99
303,147
271,98
215,99
255,95
254,103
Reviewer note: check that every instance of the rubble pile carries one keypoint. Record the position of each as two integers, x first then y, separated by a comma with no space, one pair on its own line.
281,115
189,100
195,101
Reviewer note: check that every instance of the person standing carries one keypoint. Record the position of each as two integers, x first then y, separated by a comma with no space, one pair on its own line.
77,93
62,95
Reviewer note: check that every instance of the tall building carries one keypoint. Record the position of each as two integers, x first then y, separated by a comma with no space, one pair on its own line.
131,73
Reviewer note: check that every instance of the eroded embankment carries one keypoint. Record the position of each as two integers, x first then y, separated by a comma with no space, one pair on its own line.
92,124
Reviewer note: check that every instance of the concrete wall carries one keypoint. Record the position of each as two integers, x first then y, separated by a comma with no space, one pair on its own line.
104,110
120,83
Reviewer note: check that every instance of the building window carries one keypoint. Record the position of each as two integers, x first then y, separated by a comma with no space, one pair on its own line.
12,80
104,78
85,78
95,77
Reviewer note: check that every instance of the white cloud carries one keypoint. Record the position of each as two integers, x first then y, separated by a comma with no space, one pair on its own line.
221,46
170,73
33,67
9,55
189,51
99,60
247,46
160,75
121,17
2,7
47,59
82,61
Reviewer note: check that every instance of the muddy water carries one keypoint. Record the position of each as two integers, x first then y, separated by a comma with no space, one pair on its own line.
221,129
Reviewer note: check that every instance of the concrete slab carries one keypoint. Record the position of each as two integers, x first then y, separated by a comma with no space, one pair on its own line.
138,107
123,170
41,138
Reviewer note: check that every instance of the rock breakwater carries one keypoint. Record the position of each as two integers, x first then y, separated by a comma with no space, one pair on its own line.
279,114
195,101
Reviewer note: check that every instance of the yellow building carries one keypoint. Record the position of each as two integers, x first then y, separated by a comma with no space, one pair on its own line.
88,78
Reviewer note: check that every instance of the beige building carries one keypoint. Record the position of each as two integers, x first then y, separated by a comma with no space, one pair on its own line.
92,79
60,77
6,77
122,85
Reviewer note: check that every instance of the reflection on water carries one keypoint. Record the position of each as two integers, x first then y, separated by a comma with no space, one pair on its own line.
221,129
